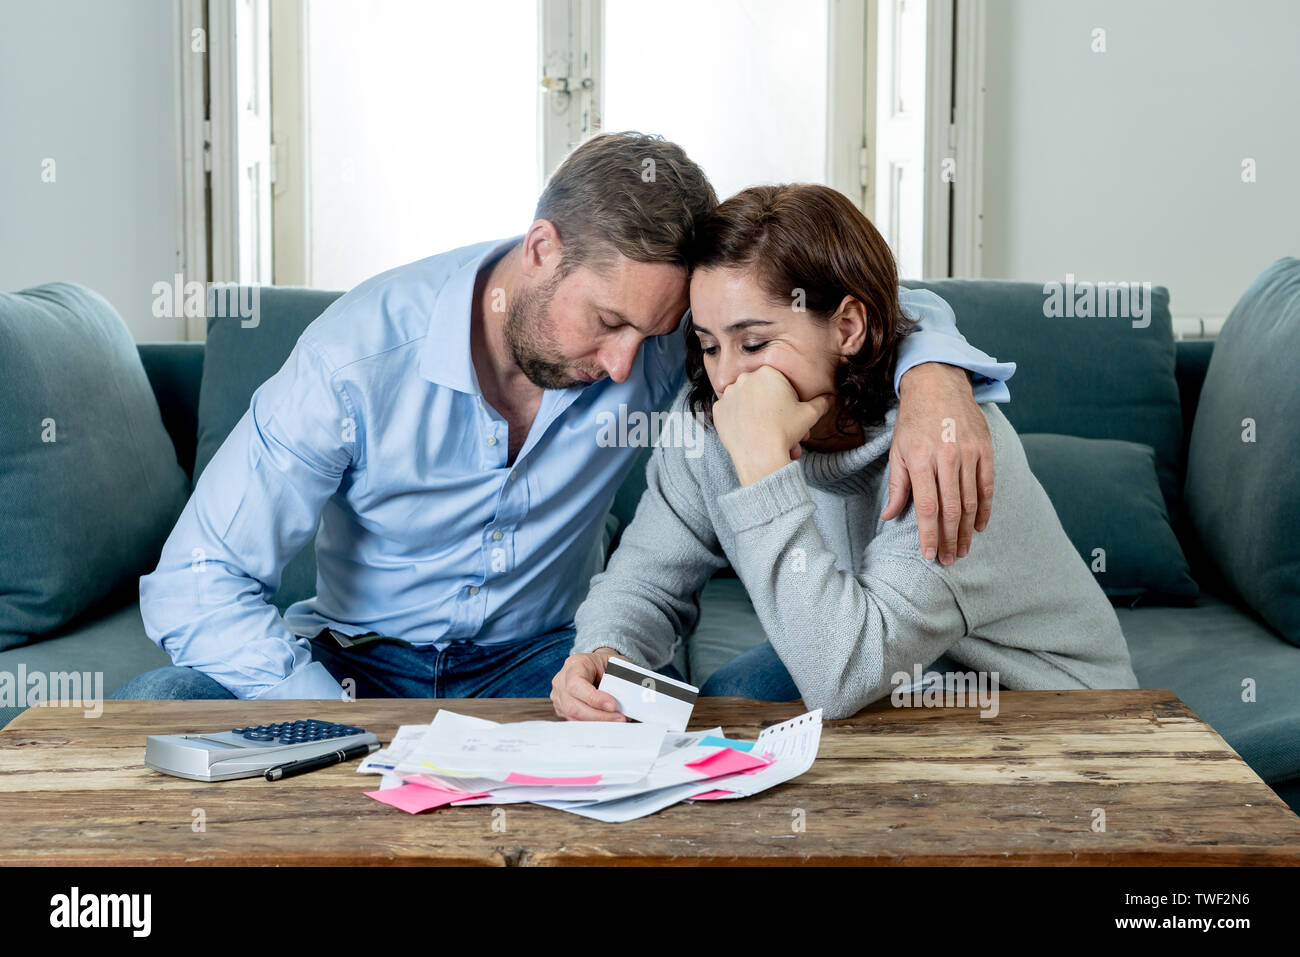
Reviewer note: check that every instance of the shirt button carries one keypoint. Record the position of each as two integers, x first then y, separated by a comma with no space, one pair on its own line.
496,536
473,589
513,476
491,440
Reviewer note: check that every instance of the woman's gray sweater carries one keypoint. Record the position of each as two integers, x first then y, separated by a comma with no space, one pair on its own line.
846,599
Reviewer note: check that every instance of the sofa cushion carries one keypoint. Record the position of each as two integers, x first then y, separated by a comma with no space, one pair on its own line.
1288,791
175,371
1242,457
728,626
111,646
1097,378
1205,654
1107,497
241,354
89,483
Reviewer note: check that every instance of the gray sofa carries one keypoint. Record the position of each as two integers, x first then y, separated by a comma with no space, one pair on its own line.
1198,648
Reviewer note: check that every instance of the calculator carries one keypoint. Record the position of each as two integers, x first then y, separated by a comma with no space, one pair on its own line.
248,752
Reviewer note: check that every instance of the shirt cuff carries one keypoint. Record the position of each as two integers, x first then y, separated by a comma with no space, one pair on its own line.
988,375
984,389
771,496
312,681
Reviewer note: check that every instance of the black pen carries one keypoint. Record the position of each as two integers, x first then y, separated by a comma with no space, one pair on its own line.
323,761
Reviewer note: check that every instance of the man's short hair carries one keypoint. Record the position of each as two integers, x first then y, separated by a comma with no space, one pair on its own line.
632,193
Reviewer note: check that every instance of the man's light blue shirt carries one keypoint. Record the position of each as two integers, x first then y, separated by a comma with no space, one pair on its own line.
375,435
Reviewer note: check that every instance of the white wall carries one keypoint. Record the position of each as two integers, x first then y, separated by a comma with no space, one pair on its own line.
89,84
1126,165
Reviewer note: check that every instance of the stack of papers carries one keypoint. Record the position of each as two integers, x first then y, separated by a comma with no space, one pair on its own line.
611,771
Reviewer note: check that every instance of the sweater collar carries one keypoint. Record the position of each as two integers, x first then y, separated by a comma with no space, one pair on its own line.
852,470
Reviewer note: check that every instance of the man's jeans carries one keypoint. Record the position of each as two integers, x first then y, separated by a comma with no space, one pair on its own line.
391,668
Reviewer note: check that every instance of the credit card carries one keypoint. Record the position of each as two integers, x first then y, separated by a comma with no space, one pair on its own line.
648,696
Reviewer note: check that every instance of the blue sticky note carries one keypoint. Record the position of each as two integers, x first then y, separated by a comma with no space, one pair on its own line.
713,741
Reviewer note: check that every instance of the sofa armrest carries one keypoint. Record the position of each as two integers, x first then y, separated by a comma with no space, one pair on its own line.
175,370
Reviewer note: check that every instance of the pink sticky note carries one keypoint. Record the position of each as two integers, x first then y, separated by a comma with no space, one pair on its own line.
727,761
514,778
767,760
414,798
424,781
710,795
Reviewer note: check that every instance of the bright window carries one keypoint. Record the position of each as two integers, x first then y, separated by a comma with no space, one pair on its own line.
423,121
739,84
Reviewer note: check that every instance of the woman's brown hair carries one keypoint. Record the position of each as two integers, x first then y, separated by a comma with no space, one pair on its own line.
809,244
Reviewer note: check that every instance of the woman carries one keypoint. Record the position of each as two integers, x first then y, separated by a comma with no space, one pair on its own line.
795,323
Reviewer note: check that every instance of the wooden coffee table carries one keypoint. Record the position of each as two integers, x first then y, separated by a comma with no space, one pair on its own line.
890,786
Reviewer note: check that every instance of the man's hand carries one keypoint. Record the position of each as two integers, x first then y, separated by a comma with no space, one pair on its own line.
574,692
943,454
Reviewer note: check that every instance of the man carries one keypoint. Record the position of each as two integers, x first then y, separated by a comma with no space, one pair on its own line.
439,423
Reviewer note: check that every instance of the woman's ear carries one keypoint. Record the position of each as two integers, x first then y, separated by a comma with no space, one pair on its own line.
850,324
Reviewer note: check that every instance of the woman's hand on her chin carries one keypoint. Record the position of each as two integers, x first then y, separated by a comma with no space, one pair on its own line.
761,421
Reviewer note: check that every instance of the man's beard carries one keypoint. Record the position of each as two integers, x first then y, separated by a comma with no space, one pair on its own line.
529,334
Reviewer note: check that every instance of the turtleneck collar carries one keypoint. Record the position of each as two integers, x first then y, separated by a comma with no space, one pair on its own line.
852,470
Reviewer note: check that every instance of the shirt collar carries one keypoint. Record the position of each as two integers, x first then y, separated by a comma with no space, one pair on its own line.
445,357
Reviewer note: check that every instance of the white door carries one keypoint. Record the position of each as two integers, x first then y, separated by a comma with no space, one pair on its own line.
570,61
900,131
253,98
239,140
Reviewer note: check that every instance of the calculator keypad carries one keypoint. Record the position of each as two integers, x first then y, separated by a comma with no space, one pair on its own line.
296,732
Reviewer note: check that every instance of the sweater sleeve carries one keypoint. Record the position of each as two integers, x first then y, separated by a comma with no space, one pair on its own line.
842,637
648,594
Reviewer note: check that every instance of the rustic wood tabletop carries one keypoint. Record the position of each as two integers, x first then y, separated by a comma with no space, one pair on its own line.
1069,777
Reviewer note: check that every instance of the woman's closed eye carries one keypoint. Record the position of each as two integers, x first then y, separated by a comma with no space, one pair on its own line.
748,347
